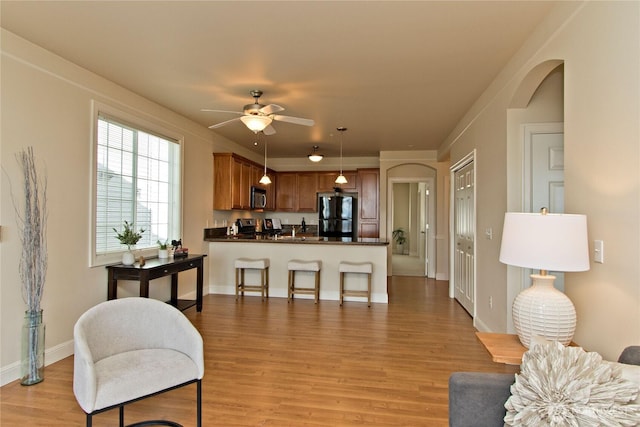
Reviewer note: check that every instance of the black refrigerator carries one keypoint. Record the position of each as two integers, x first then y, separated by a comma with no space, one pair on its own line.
337,213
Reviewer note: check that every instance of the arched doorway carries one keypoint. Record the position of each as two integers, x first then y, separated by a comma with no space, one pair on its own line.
411,198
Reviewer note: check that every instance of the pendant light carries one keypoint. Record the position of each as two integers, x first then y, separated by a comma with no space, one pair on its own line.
265,178
341,179
315,156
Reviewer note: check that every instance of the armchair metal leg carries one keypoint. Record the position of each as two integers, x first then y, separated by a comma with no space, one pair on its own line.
121,416
199,403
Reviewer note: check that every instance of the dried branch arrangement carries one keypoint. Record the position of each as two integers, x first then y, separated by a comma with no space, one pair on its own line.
32,224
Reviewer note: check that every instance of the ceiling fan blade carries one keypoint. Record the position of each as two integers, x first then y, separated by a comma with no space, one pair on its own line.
294,120
270,109
220,111
269,130
224,123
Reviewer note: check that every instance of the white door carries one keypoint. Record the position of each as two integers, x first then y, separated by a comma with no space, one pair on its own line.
544,175
464,232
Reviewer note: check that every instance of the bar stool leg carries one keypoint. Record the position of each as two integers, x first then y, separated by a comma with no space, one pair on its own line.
317,294
267,282
290,285
237,282
369,290
341,287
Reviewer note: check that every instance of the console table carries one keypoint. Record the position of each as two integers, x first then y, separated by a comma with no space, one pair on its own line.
155,268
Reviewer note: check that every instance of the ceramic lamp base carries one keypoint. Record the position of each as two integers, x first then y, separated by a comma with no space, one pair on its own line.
544,311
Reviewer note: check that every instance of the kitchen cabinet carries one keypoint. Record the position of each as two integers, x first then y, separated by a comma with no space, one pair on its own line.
286,192
369,202
296,191
233,177
307,187
327,181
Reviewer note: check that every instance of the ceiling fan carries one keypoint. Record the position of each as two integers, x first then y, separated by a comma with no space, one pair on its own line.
258,117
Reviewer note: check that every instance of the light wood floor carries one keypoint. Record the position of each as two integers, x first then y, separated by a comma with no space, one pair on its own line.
299,364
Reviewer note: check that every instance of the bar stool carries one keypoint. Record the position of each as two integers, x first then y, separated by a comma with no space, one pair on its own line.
262,264
300,265
355,267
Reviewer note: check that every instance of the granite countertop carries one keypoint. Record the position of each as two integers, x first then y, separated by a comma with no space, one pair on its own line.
298,239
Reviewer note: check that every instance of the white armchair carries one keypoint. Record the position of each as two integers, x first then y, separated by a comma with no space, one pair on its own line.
132,348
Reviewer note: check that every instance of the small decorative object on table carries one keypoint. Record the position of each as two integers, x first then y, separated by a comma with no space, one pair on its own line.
129,237
163,252
178,250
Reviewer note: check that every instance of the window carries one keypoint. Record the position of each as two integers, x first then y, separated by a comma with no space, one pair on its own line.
136,179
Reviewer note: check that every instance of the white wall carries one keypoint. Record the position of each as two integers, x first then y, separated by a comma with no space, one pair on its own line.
46,104
599,43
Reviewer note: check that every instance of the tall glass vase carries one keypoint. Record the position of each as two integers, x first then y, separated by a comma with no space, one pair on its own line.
32,366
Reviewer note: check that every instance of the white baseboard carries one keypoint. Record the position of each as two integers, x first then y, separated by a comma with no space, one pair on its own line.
11,372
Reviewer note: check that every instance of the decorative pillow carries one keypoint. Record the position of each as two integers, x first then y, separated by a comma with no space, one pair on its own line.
566,386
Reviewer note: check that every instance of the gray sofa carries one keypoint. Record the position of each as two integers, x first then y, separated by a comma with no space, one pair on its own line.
477,399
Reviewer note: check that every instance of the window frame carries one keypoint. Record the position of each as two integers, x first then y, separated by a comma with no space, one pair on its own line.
145,124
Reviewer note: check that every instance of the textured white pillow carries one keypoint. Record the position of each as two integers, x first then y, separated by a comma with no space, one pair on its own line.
566,386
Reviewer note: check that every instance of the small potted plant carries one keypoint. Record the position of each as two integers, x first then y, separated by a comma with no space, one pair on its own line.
400,239
129,237
163,252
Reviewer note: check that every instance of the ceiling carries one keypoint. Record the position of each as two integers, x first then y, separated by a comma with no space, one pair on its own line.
399,75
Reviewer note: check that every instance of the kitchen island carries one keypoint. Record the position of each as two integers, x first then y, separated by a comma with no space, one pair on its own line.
224,250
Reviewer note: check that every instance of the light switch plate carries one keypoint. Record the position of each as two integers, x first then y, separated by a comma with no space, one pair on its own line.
598,251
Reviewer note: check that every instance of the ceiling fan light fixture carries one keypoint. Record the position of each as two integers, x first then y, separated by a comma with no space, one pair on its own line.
315,156
256,123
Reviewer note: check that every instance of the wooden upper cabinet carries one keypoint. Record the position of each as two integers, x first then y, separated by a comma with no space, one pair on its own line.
307,188
233,177
369,202
286,192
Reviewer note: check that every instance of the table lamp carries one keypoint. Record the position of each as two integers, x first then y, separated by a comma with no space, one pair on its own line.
546,242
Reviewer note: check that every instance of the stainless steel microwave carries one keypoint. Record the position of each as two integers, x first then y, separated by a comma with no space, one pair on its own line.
258,198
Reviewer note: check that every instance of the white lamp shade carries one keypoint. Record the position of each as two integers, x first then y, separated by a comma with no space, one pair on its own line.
256,123
553,242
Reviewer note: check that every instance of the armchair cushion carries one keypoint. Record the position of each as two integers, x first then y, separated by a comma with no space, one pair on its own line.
121,378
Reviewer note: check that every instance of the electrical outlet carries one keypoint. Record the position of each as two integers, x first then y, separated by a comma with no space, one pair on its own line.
491,302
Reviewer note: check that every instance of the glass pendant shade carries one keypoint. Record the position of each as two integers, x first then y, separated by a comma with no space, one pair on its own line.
315,156
341,179
265,179
256,123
